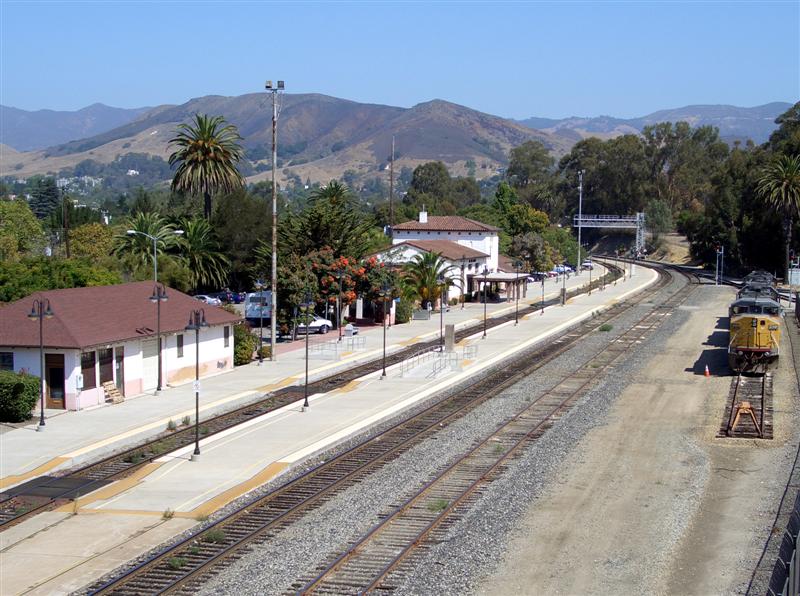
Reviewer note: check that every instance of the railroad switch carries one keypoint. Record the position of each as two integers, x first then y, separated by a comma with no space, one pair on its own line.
744,409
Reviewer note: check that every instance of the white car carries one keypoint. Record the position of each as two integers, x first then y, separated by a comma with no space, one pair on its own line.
317,325
208,300
587,265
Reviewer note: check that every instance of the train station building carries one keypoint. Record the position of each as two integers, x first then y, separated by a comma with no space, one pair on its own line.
100,342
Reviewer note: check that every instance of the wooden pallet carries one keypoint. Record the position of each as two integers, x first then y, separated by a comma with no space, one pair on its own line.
112,393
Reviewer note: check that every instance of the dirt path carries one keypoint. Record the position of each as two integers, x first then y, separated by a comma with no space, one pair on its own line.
652,502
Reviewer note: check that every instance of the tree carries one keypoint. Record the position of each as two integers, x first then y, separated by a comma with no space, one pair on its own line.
529,164
135,251
44,197
20,232
206,155
779,187
93,241
786,139
423,273
199,248
36,274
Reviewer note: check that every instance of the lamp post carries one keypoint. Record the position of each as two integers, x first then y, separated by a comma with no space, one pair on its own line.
260,288
384,293
616,266
158,298
197,320
305,307
441,281
589,256
274,296
543,296
564,287
39,312
485,280
463,279
517,265
580,213
339,274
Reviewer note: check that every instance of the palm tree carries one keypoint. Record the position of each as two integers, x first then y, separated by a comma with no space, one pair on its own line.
779,186
423,273
200,250
136,250
206,154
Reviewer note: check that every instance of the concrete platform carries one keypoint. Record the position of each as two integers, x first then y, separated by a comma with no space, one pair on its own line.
233,463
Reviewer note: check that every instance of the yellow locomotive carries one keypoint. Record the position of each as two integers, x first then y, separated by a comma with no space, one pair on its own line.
755,325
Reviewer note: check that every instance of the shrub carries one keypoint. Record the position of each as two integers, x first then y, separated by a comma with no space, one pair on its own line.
213,536
266,352
244,344
171,425
606,327
18,395
453,302
403,311
176,562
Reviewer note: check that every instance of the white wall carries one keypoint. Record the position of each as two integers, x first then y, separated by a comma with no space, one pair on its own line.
486,242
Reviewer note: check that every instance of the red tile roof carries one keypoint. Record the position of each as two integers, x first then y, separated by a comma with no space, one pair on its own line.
447,223
450,250
87,317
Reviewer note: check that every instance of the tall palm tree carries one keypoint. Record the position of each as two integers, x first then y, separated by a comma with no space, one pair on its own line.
423,273
206,153
779,186
200,250
136,250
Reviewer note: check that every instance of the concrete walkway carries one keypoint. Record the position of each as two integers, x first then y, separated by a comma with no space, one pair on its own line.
232,463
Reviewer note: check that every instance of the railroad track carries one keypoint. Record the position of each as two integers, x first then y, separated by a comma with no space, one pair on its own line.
755,418
188,564
379,559
49,491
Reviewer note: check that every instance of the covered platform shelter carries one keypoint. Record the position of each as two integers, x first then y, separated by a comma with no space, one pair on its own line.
514,284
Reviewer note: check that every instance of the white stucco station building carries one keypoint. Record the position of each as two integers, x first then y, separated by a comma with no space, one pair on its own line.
471,247
102,339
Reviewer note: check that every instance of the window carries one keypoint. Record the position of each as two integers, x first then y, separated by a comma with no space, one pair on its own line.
227,336
180,346
87,370
6,360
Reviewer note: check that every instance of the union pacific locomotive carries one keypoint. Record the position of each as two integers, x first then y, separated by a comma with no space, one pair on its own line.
755,325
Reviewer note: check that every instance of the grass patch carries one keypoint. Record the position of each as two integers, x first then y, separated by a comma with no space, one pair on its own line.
201,517
498,449
186,421
606,327
194,550
171,425
204,430
176,562
438,505
168,514
133,458
213,536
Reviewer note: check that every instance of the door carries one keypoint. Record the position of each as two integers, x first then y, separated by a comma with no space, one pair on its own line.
119,369
54,380
149,364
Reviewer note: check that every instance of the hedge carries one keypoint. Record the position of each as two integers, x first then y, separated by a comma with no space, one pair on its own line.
18,395
403,311
244,344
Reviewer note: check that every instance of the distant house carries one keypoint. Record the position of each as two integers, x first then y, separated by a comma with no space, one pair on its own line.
107,335
132,172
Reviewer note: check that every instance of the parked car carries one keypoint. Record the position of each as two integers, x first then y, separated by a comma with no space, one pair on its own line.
587,265
258,307
317,325
211,300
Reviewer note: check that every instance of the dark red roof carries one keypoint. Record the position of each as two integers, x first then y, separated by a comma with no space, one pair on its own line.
87,317
447,223
447,248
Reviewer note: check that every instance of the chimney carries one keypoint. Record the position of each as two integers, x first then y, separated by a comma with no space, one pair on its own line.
423,215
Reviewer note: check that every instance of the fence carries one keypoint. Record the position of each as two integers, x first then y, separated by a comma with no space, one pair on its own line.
327,350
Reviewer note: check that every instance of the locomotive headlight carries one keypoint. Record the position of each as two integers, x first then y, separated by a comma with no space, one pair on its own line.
773,327
740,353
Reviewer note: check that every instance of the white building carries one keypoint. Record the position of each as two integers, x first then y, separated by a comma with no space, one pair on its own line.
104,337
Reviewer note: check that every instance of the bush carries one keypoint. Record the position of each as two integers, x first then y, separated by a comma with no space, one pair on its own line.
453,302
403,311
244,344
266,352
18,395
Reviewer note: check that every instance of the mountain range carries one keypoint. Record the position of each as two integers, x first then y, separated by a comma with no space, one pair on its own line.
321,137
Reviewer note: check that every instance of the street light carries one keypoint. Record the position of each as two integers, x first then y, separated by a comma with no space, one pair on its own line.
589,258
564,286
441,281
197,320
542,296
159,297
339,274
580,213
517,265
260,288
305,307
274,310
39,312
384,293
463,279
485,281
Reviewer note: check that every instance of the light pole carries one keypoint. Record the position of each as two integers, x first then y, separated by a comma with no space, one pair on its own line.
159,297
441,281
580,213
590,272
543,296
39,312
485,280
384,293
197,320
463,279
339,273
274,297
260,288
564,287
305,307
517,265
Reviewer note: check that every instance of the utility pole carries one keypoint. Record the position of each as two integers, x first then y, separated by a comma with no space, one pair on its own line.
274,297
580,213
391,189
65,218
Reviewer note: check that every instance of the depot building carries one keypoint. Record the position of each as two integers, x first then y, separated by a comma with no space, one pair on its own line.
101,341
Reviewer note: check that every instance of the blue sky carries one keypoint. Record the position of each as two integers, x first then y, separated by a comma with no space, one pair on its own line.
514,59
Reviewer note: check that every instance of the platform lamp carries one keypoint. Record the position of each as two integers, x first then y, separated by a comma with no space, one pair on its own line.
564,286
517,266
339,274
463,279
384,294
158,296
39,312
542,313
305,307
485,281
197,320
589,256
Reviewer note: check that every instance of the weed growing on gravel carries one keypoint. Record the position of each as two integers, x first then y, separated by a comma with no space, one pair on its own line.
201,517
214,536
204,430
176,562
194,550
438,505
606,327
168,514
186,421
171,425
498,449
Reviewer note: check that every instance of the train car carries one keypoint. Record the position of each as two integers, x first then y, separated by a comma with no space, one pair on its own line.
755,325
